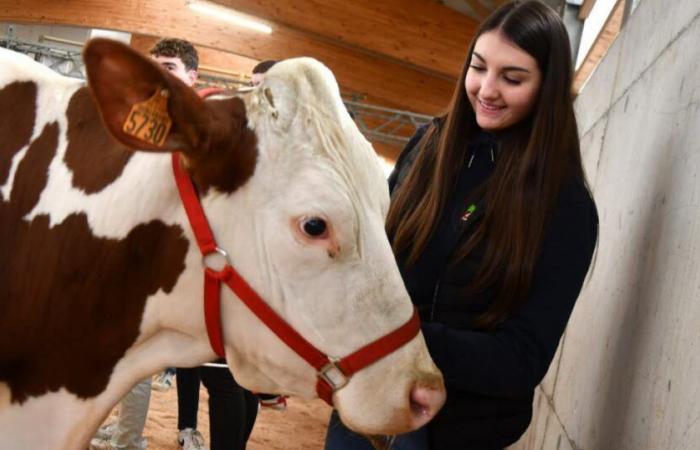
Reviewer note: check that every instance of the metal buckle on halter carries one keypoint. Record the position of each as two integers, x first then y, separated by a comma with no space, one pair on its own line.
212,260
333,375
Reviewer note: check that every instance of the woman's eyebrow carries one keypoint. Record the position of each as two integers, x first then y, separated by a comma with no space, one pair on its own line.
515,68
505,69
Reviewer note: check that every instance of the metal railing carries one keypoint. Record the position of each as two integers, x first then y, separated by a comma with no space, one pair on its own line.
387,125
64,61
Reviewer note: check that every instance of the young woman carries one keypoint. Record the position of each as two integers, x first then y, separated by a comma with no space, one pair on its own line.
494,230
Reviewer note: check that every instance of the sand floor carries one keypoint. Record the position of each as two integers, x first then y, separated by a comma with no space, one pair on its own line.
302,426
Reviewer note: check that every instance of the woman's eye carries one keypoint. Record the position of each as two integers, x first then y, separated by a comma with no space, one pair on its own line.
314,227
477,68
512,81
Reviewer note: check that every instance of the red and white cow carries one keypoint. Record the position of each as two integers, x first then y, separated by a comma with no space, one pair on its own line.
100,274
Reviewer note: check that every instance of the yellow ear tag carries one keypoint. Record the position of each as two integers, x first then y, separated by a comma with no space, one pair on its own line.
149,121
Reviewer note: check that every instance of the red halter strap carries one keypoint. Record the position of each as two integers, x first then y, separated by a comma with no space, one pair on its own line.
332,374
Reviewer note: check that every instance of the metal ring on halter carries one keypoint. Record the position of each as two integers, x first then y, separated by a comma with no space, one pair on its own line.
216,365
333,375
221,252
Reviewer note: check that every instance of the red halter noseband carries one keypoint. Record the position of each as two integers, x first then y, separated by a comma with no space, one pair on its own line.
332,373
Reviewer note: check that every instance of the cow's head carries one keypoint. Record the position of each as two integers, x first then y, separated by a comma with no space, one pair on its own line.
296,195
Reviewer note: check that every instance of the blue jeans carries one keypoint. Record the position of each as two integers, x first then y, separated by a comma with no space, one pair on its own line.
339,437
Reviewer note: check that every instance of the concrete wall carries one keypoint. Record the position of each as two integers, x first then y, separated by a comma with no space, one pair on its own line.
627,374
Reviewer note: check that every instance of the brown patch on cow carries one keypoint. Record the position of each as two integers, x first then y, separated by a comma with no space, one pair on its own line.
94,157
33,171
71,302
225,159
17,118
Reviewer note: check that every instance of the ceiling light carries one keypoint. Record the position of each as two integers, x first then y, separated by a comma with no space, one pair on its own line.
226,14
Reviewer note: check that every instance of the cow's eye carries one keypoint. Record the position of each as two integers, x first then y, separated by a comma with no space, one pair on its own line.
314,227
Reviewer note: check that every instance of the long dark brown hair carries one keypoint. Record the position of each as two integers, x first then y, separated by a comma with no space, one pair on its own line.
535,157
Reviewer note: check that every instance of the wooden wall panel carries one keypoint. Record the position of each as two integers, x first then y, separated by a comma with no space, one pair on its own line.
387,151
600,47
585,10
380,78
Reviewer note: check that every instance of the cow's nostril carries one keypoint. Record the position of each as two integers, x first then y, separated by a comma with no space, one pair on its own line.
419,411
418,408
425,402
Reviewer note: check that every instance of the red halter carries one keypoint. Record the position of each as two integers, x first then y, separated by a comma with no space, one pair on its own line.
332,374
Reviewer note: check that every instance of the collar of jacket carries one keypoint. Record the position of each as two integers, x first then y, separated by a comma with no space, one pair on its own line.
484,144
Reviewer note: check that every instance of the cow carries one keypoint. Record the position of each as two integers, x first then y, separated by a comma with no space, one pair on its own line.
101,274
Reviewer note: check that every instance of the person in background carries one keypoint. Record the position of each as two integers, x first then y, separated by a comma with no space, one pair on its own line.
257,76
258,72
126,433
232,409
164,380
494,228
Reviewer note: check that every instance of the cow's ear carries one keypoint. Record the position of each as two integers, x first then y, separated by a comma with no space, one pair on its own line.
142,105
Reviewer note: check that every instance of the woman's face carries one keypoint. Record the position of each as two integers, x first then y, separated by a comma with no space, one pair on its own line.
502,82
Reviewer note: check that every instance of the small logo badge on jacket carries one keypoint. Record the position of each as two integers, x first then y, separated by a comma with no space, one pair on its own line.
470,210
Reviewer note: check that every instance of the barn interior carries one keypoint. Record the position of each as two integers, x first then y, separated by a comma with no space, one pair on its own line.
625,375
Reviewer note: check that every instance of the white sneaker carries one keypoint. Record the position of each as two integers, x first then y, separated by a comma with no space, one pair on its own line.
106,431
277,403
163,381
98,443
106,444
191,439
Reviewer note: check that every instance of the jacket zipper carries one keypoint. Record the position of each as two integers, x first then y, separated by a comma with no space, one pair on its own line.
436,291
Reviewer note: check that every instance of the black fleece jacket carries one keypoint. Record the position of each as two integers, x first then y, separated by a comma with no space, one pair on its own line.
491,375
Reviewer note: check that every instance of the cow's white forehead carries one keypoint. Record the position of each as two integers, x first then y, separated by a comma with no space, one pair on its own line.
313,70
312,89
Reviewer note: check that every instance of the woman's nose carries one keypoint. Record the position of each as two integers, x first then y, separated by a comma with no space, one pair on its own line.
488,89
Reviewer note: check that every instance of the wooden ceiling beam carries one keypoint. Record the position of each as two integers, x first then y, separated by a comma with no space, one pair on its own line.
381,80
428,36
480,9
